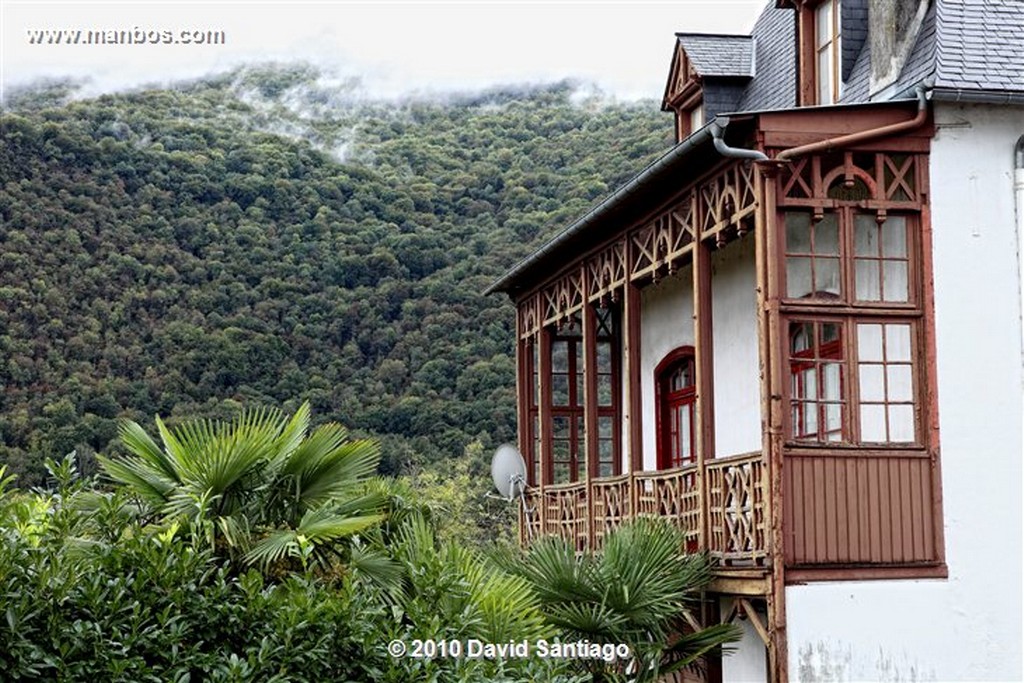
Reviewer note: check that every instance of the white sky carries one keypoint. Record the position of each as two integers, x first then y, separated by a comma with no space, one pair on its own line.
395,46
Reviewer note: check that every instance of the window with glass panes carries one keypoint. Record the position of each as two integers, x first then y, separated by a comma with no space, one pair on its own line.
567,399
567,433
850,284
676,378
828,50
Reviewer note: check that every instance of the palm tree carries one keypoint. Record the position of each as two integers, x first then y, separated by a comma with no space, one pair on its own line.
260,488
637,592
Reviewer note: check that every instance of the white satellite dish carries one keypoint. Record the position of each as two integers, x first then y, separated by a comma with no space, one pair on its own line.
508,470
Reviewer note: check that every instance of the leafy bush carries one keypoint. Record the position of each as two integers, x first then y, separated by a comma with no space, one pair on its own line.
88,594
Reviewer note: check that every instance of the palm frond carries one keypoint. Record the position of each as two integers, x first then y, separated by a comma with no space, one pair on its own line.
146,481
274,547
323,525
376,567
139,443
691,647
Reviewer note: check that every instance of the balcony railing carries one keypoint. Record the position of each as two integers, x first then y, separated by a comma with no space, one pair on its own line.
724,511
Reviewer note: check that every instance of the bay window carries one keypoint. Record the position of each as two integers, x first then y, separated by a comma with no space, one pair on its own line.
852,327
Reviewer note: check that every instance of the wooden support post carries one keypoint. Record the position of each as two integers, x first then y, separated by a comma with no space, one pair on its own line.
590,398
703,357
544,412
524,376
774,353
634,399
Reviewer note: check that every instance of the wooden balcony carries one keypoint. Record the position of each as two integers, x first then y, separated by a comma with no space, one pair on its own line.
722,509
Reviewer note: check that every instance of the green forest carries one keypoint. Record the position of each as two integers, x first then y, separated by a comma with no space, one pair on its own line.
266,237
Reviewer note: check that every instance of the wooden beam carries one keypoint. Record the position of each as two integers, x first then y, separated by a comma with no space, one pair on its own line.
755,620
930,424
769,243
631,343
703,364
591,442
544,411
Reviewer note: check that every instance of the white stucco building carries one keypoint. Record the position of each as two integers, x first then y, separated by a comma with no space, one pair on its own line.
798,335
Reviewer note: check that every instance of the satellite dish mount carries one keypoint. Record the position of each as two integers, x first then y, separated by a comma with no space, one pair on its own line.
508,470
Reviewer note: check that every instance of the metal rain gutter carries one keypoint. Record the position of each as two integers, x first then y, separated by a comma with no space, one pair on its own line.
663,163
975,96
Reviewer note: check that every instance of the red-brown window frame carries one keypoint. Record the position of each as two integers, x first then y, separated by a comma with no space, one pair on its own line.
849,312
537,356
665,401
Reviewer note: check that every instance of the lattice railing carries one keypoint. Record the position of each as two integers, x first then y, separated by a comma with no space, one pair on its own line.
612,505
672,494
734,508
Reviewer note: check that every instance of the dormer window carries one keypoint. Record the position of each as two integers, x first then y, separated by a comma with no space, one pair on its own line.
708,75
820,64
697,116
827,51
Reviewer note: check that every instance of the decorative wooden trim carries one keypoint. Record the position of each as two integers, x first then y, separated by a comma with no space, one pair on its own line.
828,181
800,575
563,297
606,273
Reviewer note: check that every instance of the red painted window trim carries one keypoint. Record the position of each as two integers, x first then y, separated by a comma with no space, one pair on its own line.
666,401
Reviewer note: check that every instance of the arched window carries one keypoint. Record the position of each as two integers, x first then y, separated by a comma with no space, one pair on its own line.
676,388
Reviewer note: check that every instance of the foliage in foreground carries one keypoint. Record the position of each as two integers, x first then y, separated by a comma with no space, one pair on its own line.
149,582
261,485
88,594
636,591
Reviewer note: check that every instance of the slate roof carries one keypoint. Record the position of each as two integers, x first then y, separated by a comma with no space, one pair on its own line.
981,44
774,82
719,55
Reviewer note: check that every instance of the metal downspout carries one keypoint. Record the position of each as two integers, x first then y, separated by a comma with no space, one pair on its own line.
864,135
718,127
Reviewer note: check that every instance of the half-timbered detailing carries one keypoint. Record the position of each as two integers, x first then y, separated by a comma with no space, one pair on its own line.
875,181
660,245
728,200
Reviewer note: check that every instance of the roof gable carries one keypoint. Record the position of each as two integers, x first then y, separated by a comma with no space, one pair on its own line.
700,56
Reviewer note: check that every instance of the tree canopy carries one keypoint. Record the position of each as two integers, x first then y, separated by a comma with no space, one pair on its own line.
261,237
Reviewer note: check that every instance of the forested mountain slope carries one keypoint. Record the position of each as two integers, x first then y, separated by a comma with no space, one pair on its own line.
262,237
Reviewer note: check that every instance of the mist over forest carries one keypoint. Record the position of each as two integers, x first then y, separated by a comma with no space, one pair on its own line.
271,235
